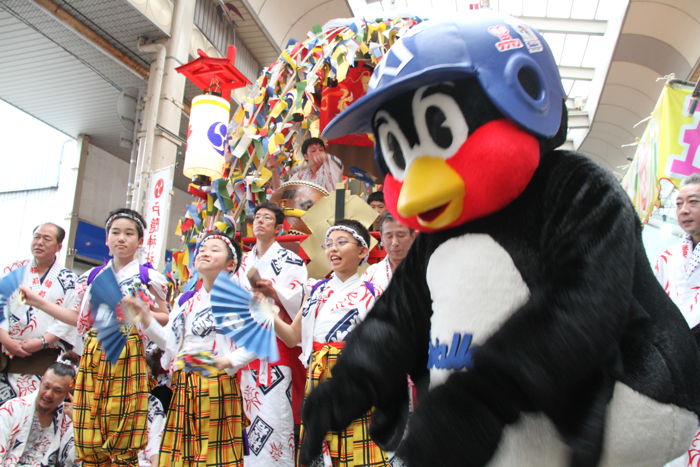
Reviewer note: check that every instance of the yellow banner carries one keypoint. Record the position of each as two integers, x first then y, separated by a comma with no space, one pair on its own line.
666,150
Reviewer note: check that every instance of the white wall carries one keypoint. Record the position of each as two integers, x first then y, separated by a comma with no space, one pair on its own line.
104,186
24,210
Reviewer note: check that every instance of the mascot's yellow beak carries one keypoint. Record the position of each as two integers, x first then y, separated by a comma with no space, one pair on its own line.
433,191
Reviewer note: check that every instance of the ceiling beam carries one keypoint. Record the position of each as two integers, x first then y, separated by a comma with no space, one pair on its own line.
576,72
578,119
591,27
84,31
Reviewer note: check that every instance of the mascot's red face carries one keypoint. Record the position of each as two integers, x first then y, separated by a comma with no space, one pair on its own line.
448,178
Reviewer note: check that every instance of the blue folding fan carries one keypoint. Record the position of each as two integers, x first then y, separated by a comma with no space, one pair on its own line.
249,322
8,285
105,296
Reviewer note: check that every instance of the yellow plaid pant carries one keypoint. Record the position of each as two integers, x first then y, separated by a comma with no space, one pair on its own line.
353,445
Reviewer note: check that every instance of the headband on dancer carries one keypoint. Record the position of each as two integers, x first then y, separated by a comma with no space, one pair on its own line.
125,215
224,239
349,230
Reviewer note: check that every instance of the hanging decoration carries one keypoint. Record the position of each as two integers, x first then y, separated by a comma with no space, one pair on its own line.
206,135
207,129
283,108
666,149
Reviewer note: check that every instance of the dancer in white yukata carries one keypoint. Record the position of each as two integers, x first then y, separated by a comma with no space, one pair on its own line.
31,336
332,310
678,272
204,424
272,393
34,429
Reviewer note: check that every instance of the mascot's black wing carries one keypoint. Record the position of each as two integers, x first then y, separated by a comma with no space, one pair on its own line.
390,343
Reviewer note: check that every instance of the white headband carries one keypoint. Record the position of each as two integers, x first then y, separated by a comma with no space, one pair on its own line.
222,238
126,215
349,230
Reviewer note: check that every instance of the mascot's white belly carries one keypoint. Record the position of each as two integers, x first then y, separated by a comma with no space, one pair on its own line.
475,288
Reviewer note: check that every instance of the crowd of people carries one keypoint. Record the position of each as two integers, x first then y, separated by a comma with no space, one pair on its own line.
67,403
64,402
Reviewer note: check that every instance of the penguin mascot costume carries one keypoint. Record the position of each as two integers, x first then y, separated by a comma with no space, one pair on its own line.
526,308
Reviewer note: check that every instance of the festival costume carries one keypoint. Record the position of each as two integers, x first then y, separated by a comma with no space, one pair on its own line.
111,400
678,272
331,312
204,423
378,273
57,286
54,446
156,424
272,398
330,173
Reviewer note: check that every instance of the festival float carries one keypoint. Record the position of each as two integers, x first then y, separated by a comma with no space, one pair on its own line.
292,100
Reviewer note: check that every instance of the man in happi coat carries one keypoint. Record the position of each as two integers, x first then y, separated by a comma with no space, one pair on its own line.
272,393
32,338
35,430
319,167
396,239
678,272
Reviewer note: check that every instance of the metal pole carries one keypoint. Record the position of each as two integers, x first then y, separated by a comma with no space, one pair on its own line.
83,142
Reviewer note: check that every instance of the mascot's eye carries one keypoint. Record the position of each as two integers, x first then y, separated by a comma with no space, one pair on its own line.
395,151
441,134
392,148
441,126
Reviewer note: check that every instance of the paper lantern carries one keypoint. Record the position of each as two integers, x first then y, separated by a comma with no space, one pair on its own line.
206,137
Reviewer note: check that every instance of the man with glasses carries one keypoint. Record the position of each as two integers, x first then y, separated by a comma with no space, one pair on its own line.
272,393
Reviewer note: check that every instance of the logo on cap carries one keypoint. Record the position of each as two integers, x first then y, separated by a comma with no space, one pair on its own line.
395,61
506,41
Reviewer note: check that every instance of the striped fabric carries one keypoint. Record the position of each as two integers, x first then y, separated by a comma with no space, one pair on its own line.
205,422
110,413
352,446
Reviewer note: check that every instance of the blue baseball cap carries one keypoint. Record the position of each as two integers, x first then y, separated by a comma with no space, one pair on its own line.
511,61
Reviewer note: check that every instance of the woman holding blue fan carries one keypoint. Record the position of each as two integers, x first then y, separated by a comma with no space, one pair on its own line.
205,420
111,398
332,310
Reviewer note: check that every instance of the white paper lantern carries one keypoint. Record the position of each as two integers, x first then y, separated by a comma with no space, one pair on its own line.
206,138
